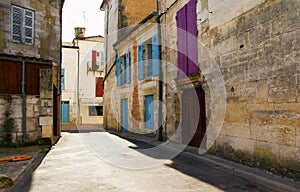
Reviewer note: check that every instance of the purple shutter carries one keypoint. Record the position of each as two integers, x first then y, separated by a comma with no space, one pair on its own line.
181,42
192,38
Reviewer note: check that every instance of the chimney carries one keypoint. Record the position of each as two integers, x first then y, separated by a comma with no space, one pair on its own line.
79,32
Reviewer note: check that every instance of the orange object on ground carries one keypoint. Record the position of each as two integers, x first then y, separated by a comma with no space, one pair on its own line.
15,158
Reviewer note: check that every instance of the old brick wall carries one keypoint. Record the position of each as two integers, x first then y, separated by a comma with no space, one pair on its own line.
256,46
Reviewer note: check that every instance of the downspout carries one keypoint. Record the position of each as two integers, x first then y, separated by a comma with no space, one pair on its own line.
166,69
106,60
78,104
160,77
24,139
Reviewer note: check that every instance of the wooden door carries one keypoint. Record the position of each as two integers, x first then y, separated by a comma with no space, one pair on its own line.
193,116
65,112
124,115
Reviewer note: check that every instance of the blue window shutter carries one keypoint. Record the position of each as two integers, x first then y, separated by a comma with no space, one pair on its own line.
150,61
62,79
118,71
140,62
155,54
127,67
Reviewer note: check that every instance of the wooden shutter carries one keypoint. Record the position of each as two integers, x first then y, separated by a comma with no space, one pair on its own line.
140,62
127,67
150,60
99,89
16,26
155,54
118,71
192,40
28,26
62,79
181,41
94,60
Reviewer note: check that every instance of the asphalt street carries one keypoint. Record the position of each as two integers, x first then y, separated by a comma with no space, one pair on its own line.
100,161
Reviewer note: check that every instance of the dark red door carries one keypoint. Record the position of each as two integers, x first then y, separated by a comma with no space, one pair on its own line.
193,116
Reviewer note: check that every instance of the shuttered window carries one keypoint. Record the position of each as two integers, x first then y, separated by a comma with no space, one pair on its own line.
187,44
140,62
149,50
22,25
123,69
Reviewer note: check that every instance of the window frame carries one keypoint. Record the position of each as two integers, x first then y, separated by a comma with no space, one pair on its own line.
123,71
23,16
98,113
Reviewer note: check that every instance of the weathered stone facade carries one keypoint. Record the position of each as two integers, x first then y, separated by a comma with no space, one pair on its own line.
42,55
117,29
253,47
256,46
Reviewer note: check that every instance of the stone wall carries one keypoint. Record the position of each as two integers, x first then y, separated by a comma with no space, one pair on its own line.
47,29
256,47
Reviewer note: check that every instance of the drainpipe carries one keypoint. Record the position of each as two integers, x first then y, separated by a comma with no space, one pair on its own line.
160,77
166,66
106,60
24,139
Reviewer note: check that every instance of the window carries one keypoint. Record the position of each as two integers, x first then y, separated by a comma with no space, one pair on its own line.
187,44
22,25
148,58
62,79
99,89
123,69
95,110
102,59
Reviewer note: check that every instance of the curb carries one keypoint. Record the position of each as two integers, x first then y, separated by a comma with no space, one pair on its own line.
256,175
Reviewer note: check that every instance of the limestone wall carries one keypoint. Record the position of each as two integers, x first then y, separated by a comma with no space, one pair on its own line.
256,47
46,30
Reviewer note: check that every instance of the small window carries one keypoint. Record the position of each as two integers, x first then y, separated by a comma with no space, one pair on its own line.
102,59
95,110
22,25
148,58
123,69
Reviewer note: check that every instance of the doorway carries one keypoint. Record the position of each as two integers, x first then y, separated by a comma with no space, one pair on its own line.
193,116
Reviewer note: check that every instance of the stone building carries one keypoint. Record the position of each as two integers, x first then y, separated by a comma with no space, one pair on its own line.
83,70
69,82
30,34
230,73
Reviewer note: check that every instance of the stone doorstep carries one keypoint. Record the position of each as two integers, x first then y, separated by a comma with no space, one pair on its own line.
5,181
252,173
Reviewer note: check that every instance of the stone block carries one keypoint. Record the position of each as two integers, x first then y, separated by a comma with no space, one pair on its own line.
262,117
47,131
244,144
290,153
47,120
237,113
31,124
288,117
283,135
262,92
260,133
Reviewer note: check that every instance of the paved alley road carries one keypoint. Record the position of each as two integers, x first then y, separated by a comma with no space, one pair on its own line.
72,165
